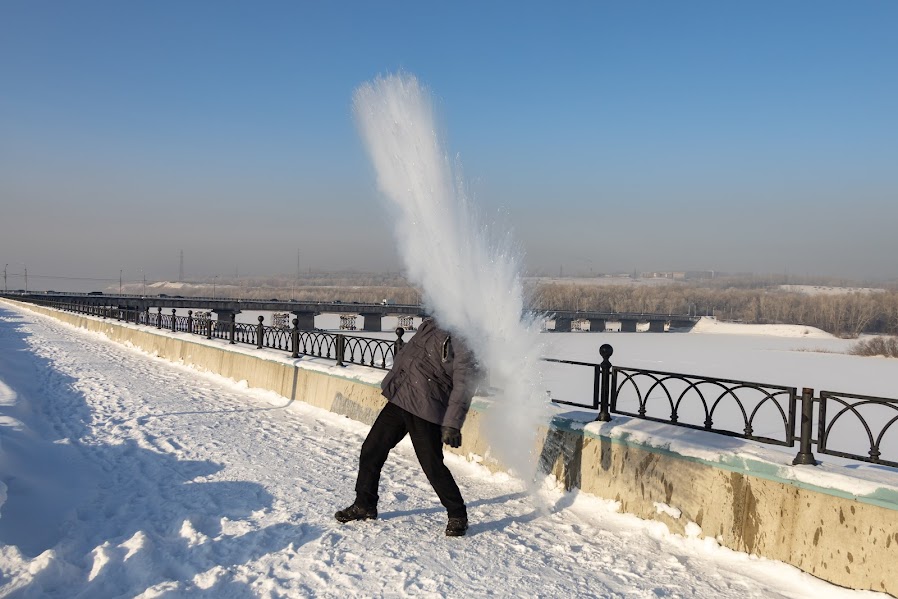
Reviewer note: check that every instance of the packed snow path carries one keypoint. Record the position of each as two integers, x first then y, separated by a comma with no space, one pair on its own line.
129,476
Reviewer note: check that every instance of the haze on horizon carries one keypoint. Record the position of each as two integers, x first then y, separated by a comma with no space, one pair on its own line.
611,137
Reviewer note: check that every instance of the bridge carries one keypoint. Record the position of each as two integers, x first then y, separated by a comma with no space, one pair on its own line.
658,323
226,309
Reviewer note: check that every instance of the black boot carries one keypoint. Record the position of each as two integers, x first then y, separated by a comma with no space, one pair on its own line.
457,527
356,512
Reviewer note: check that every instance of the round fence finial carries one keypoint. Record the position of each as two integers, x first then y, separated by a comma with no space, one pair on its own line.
400,332
605,351
261,318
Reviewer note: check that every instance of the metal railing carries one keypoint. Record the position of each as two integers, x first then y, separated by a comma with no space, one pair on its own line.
857,413
771,414
723,406
691,401
345,349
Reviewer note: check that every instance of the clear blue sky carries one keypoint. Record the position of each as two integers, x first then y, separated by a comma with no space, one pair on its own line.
752,136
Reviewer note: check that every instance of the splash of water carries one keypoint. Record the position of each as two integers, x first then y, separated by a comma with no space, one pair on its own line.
468,273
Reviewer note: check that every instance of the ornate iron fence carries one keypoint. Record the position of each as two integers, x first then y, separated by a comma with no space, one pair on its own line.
854,414
600,382
245,333
728,407
365,351
277,338
371,352
319,344
772,414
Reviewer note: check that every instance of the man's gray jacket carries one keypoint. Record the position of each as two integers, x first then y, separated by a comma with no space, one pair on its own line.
433,377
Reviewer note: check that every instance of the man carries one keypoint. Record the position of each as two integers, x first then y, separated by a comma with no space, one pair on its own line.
429,392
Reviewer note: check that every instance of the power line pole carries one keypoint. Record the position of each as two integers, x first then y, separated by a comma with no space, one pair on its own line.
181,269
120,281
5,289
296,279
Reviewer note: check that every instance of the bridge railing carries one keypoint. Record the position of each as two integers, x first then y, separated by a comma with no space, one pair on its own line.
345,349
762,412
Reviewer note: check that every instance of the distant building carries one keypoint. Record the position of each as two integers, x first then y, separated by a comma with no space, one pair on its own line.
674,275
679,275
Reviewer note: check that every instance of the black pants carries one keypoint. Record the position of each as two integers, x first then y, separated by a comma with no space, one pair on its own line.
391,426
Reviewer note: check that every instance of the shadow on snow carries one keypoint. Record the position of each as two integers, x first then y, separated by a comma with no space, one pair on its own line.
119,518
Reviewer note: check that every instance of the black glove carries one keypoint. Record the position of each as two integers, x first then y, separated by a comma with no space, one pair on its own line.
451,436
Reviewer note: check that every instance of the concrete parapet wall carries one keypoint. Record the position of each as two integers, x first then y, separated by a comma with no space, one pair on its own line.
837,538
840,538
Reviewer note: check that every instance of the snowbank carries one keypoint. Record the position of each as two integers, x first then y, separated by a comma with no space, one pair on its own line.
709,324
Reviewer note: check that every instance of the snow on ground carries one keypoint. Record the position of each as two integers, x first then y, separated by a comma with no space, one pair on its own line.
709,324
743,352
129,476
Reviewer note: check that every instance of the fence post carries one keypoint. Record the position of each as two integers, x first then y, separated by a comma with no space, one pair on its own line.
146,316
294,337
259,332
174,321
159,318
232,328
605,389
341,348
804,456
209,325
190,321
399,343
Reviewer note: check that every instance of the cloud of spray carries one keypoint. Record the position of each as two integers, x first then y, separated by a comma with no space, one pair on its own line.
468,273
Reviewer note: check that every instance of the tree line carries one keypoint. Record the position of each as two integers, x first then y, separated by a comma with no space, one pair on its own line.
845,314
749,299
